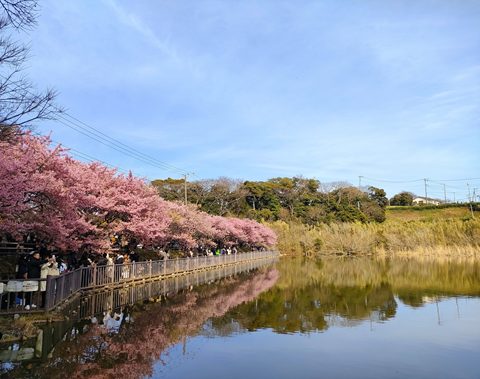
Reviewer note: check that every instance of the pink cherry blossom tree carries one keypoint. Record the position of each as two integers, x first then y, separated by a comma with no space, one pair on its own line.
70,204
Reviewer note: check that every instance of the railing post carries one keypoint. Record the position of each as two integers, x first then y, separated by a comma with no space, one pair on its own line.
60,289
50,293
94,279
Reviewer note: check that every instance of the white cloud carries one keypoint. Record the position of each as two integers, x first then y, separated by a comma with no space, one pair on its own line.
135,22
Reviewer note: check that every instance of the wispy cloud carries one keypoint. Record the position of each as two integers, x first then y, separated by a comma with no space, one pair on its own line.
135,22
265,88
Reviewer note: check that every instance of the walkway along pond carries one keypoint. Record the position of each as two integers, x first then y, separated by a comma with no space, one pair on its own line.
54,291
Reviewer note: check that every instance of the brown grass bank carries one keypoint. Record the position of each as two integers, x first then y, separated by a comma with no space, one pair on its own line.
438,237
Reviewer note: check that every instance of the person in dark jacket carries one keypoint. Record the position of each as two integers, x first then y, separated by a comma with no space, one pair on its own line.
34,267
85,261
22,267
134,257
71,260
102,261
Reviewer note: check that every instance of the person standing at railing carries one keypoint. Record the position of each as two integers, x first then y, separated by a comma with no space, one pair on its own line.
126,267
162,255
119,259
22,267
85,261
21,273
86,274
134,257
50,268
102,261
109,269
62,266
71,260
34,268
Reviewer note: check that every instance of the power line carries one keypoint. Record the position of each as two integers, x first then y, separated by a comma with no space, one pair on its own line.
90,129
97,135
418,180
431,187
447,185
456,180
93,159
113,146
393,181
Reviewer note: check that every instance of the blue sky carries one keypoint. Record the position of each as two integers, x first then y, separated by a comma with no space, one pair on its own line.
260,89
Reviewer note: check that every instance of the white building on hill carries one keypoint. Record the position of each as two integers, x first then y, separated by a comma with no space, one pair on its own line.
429,201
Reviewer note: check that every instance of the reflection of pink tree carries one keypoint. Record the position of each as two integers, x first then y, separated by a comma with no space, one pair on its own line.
69,204
132,352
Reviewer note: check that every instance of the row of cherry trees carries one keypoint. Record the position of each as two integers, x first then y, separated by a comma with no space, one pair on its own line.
70,204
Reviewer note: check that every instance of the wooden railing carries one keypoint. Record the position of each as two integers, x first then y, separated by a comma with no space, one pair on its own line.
25,296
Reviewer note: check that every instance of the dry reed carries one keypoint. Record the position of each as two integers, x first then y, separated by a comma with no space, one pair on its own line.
439,237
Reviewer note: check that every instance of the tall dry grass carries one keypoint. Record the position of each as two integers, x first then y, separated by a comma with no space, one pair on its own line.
445,237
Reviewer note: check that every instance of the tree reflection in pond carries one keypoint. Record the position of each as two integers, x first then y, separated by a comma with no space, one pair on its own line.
89,351
313,295
298,297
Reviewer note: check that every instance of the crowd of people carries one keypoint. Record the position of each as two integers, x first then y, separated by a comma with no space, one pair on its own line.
34,266
43,261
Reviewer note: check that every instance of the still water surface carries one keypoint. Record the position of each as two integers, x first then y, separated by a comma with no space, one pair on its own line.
331,318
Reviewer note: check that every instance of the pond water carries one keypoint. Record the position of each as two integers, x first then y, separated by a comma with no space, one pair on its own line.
330,318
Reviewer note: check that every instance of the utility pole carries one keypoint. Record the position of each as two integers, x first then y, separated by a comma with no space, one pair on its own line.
185,183
454,199
359,188
445,194
470,200
425,181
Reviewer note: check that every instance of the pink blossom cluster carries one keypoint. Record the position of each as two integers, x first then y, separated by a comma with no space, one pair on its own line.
70,204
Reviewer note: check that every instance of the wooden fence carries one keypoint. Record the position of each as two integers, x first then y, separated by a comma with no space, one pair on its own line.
40,295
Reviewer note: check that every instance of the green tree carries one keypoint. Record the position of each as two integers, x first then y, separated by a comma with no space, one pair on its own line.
170,189
403,198
223,196
260,196
378,195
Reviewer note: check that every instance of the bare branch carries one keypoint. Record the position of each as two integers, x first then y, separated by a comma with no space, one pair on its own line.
20,103
21,14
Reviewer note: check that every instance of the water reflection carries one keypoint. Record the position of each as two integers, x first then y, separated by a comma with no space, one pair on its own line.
313,296
298,297
129,349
